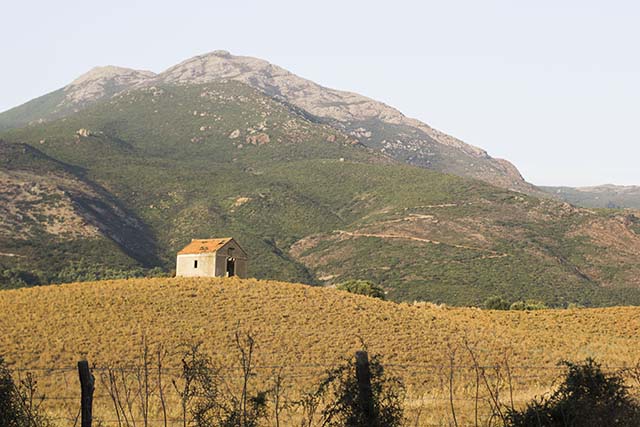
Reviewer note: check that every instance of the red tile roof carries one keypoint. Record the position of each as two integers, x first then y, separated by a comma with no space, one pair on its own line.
204,246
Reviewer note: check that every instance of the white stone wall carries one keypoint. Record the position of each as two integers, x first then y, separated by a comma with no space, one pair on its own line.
206,265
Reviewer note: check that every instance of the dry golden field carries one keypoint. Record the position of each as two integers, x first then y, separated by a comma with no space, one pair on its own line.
305,330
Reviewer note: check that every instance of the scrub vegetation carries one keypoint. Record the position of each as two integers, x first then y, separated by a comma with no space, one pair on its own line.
144,172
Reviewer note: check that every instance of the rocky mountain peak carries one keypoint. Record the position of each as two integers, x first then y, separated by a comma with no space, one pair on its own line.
111,72
100,82
221,53
220,64
318,100
373,123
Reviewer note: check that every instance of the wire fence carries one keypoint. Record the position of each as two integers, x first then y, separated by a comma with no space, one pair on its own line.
432,391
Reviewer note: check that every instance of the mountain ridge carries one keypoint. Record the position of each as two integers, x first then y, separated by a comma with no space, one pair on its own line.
599,196
372,123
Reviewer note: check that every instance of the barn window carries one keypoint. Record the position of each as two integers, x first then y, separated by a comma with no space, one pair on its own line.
195,264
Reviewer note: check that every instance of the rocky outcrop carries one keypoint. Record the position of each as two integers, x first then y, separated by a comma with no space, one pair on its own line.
258,139
82,132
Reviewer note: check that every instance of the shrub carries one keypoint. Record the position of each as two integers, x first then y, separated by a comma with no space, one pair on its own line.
528,305
9,410
587,398
84,270
17,278
208,398
345,405
19,406
362,287
496,303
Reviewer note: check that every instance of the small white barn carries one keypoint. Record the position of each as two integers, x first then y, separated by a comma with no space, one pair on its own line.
212,258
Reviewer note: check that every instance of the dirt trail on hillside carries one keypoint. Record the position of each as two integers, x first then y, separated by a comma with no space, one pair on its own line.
494,254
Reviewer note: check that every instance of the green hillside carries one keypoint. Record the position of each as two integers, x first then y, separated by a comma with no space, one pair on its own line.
43,106
311,205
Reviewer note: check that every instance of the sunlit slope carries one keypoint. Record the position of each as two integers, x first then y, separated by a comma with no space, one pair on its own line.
300,332
293,324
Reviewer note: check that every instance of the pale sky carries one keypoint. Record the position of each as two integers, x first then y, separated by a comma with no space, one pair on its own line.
553,86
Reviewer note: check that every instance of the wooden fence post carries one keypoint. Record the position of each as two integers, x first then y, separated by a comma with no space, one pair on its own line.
363,375
86,386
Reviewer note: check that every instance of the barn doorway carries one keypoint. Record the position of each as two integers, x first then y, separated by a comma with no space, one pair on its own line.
231,267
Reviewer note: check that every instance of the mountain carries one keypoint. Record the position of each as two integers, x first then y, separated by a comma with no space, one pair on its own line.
371,123
603,196
309,202
307,330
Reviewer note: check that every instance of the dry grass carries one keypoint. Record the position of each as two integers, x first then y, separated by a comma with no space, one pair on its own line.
305,329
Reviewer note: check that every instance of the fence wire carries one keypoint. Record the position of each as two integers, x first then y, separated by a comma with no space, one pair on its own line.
428,399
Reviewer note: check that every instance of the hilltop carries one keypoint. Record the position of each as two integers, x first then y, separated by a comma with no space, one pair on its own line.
294,324
308,201
305,329
96,84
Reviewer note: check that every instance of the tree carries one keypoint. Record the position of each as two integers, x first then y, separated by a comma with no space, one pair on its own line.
362,287
587,398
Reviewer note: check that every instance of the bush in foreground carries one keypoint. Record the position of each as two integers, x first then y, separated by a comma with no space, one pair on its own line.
19,406
587,398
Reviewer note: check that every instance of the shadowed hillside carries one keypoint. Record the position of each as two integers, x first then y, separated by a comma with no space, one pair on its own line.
53,216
